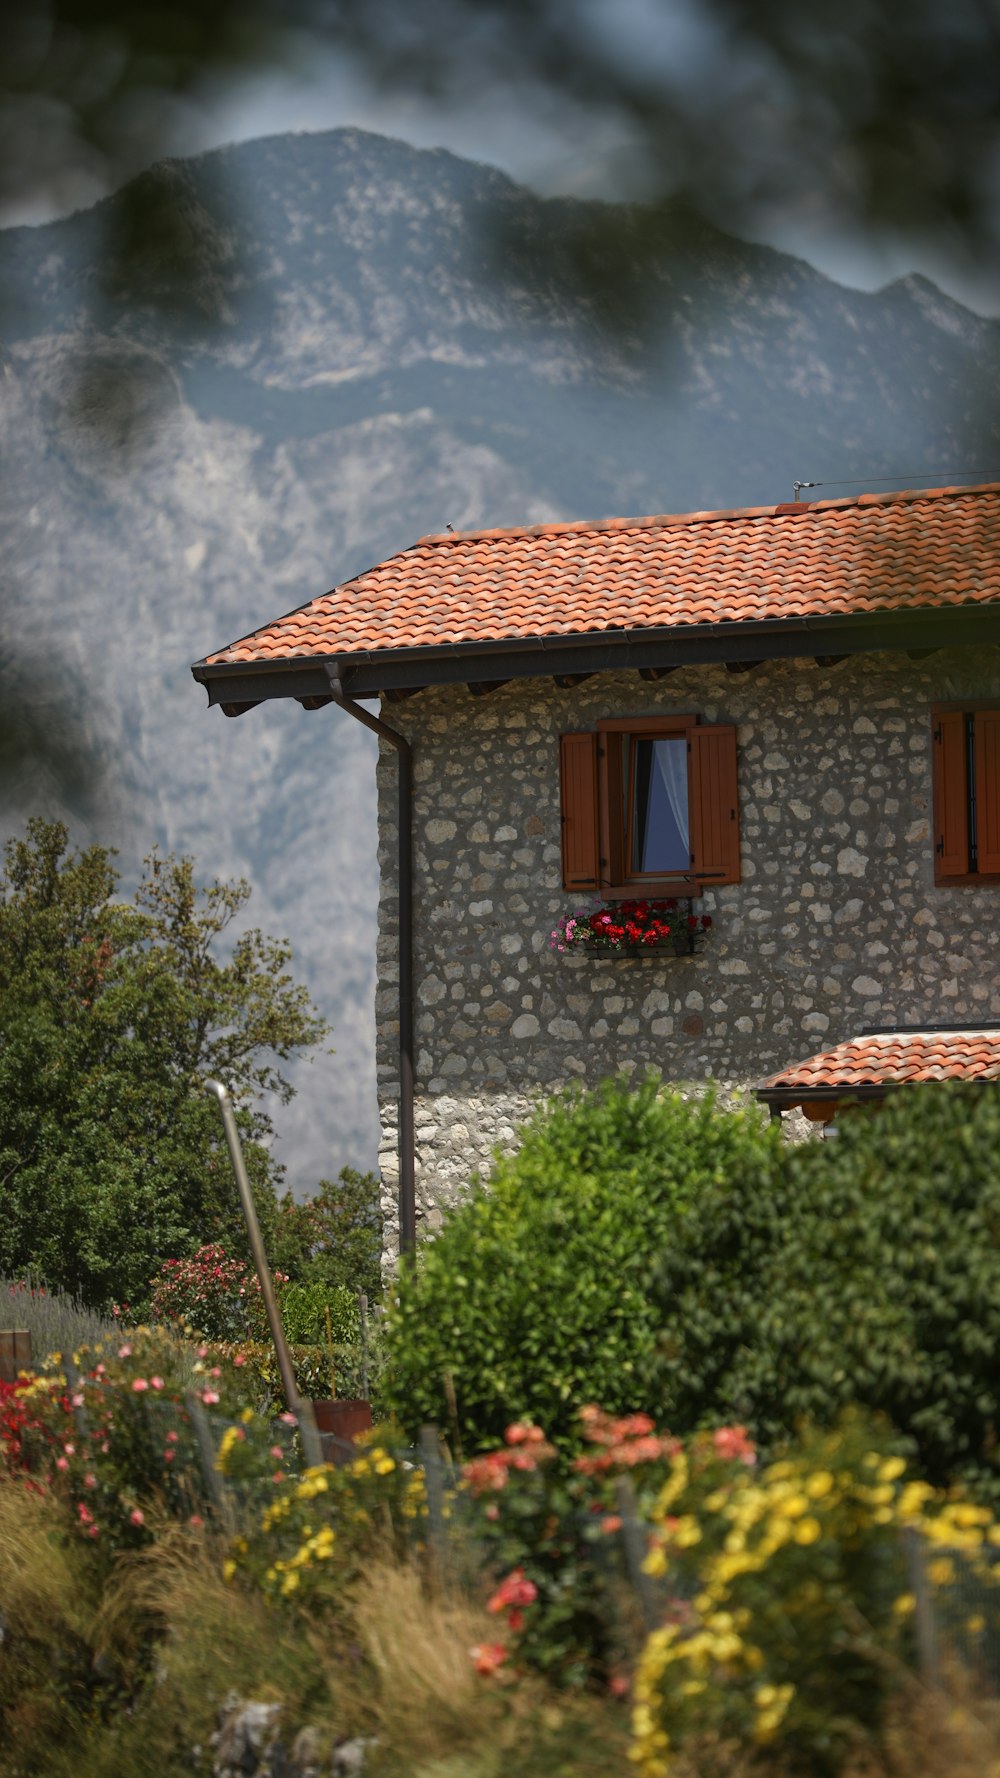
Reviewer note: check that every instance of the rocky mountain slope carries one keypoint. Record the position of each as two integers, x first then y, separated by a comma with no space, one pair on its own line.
380,348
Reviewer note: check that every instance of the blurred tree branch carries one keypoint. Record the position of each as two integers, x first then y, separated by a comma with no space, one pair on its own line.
878,114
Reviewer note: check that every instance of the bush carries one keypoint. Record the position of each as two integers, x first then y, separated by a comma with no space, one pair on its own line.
56,1321
792,1620
117,1447
304,1310
865,1269
213,1295
333,1238
536,1295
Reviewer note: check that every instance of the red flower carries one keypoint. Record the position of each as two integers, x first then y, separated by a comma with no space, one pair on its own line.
516,1590
487,1657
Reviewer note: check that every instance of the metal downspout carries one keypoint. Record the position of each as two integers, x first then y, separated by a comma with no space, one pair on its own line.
404,758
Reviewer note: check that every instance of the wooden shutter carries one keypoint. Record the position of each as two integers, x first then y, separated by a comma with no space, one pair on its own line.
713,804
951,795
987,754
578,790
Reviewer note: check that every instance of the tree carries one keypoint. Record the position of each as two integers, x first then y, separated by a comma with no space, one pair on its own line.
334,1237
112,1015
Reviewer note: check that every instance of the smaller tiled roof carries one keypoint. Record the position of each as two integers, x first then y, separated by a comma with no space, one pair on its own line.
890,1059
921,551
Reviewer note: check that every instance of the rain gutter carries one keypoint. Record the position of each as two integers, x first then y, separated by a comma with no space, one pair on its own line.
404,826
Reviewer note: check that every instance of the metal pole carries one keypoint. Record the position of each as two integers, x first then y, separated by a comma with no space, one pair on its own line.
297,1404
404,758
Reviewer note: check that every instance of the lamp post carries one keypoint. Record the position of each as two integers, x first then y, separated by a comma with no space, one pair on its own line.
298,1404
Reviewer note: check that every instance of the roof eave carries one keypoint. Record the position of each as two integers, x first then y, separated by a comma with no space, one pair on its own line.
367,672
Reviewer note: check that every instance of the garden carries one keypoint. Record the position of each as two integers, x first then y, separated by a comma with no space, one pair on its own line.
684,1458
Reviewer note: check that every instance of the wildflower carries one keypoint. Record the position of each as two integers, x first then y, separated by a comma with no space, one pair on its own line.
276,1451
70,1450
487,1657
137,1516
228,1569
516,1590
610,1524
90,1481
156,1382
62,1463
210,1397
171,1438
139,1385
125,1351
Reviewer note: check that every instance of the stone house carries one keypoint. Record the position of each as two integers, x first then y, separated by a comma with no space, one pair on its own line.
788,717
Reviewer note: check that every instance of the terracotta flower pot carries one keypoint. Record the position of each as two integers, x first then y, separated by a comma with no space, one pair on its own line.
339,1423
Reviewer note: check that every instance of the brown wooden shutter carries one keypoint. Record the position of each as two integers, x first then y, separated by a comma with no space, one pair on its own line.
578,789
951,795
988,791
713,804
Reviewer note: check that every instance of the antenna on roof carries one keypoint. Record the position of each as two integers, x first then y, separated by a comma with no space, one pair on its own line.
915,475
449,527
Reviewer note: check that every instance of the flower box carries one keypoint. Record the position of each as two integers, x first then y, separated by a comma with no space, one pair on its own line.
632,929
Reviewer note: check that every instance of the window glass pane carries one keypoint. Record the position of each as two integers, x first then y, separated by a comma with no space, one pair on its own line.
659,813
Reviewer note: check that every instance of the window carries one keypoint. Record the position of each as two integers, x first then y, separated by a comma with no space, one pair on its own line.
649,802
966,785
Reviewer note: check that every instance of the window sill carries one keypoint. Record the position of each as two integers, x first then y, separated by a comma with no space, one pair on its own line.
654,889
972,880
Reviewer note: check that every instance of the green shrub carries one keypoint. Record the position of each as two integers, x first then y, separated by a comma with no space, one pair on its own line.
867,1269
535,1296
304,1310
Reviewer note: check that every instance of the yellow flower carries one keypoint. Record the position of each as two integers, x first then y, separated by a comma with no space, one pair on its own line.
807,1531
904,1604
975,1624
819,1484
289,1584
246,1415
941,1571
384,1466
228,1569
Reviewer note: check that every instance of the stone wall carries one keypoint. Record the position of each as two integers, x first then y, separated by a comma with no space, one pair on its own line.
835,926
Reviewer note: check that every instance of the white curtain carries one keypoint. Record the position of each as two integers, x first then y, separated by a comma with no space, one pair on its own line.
671,764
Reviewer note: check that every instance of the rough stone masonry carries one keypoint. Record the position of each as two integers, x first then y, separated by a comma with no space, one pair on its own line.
835,926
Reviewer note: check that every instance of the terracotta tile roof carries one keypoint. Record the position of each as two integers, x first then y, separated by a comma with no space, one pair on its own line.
892,1058
876,553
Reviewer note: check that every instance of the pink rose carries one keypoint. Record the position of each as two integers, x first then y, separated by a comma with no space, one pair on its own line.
210,1397
139,1385
156,1382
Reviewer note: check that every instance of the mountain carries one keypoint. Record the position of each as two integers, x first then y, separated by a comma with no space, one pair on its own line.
385,341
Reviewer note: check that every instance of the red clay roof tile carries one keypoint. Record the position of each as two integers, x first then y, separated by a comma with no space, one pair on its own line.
878,552
894,1057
